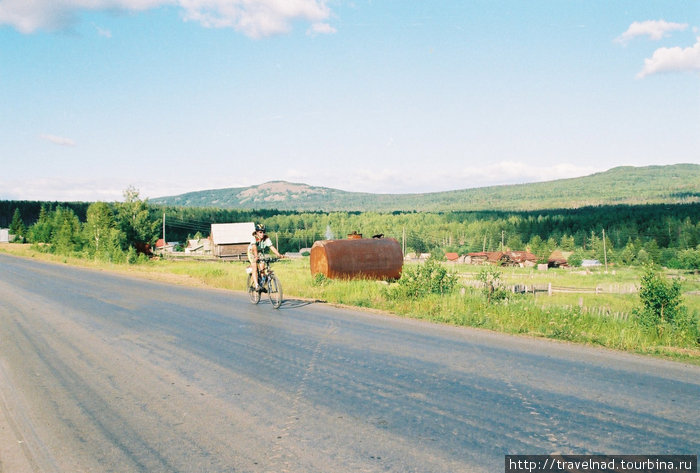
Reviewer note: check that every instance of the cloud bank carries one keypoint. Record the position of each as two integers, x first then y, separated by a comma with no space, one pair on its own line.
254,18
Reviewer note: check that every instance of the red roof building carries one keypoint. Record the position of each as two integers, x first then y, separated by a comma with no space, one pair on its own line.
451,256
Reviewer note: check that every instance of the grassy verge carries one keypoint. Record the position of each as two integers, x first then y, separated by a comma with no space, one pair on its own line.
596,319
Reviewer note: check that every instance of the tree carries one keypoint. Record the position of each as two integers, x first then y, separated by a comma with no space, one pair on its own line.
416,242
652,249
538,248
17,227
99,229
568,243
628,254
41,231
514,242
134,219
65,238
689,259
643,257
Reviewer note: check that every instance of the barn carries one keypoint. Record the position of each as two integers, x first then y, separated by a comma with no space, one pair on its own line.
231,240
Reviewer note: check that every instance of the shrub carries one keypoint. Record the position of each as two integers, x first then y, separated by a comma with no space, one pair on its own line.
576,258
419,281
662,307
320,280
132,256
493,290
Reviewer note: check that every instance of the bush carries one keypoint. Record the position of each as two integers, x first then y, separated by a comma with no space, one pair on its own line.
493,290
419,281
576,258
132,256
320,280
662,307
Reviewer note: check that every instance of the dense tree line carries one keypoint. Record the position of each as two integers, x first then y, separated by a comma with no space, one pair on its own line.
110,232
661,233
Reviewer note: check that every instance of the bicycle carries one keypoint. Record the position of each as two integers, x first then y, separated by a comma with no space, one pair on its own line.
267,282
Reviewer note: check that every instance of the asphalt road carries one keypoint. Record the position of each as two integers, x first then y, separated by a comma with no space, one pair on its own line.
105,373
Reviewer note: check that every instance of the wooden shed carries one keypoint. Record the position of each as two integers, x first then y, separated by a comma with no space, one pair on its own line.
231,240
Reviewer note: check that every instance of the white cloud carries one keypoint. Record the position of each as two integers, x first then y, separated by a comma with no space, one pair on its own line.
654,29
105,33
58,140
672,60
254,18
30,16
320,28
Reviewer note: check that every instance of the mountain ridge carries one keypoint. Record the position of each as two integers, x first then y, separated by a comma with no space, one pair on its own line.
672,184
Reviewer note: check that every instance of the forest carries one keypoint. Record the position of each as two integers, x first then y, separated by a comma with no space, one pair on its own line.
665,234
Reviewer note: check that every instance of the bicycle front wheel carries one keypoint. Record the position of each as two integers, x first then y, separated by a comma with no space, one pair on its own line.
253,295
274,291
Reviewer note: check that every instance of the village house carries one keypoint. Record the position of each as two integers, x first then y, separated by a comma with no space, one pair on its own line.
503,258
559,259
200,246
162,246
231,240
524,259
452,257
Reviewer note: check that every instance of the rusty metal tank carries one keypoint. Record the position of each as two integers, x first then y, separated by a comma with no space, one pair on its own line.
368,258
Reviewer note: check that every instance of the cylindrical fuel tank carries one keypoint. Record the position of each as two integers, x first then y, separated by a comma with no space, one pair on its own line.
369,258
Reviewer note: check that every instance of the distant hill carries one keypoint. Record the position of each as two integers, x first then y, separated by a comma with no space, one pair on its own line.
678,183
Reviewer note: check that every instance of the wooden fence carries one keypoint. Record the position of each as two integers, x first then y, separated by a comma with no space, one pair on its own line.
551,289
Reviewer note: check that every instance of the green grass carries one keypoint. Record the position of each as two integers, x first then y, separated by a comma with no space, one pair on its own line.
604,319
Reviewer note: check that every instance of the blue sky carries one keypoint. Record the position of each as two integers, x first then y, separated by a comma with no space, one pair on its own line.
172,96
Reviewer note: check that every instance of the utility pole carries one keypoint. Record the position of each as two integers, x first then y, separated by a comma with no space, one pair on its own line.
163,230
502,237
605,252
404,241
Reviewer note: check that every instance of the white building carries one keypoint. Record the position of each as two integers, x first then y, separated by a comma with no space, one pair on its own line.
231,240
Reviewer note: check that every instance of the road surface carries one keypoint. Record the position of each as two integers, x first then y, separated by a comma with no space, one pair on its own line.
105,373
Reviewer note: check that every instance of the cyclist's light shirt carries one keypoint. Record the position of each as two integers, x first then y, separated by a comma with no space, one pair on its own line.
262,244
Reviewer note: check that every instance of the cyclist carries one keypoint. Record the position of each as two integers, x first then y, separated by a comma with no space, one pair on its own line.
258,244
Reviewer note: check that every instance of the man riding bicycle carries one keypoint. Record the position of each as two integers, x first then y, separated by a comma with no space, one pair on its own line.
258,244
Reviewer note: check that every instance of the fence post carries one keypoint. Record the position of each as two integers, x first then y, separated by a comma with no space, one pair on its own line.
549,289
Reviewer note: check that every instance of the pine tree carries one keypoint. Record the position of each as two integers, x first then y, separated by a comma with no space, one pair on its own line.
17,227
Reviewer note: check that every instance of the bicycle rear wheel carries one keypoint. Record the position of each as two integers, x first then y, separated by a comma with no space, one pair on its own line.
274,291
253,295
